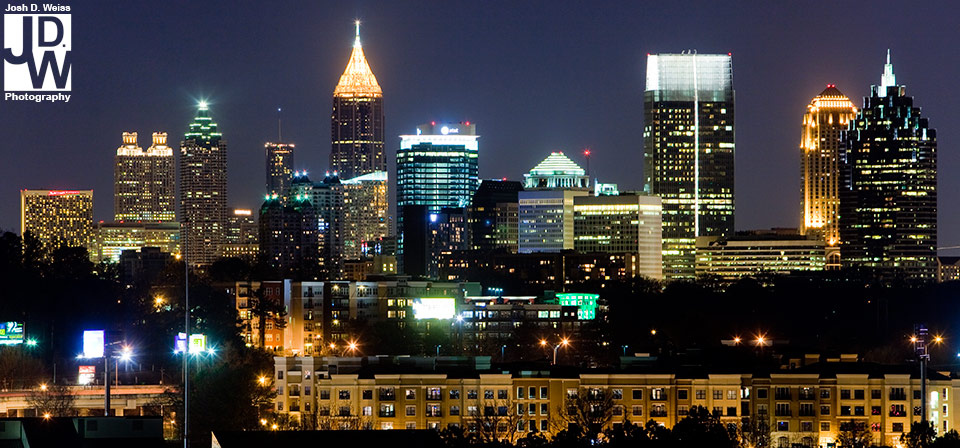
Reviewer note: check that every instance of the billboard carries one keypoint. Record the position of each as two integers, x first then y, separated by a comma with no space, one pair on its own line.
180,343
434,308
93,344
87,374
11,333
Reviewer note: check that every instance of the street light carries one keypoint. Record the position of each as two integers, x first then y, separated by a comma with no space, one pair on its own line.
262,380
736,340
43,387
563,343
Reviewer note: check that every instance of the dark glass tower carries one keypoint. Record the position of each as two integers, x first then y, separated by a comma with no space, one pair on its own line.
357,120
279,168
203,188
688,142
888,194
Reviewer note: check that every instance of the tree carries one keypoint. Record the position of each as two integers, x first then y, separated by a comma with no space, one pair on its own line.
55,400
755,431
588,411
921,435
949,440
493,421
267,310
701,428
18,370
854,434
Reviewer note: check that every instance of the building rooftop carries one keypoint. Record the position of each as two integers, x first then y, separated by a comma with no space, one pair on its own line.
357,79
557,164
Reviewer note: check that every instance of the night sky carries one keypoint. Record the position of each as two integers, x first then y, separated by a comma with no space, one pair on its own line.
536,76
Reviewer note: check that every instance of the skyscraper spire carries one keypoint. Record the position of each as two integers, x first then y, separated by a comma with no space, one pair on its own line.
357,79
356,41
888,79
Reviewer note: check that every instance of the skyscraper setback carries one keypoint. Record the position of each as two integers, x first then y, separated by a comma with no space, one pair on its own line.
688,142
357,119
203,189
888,194
144,182
828,114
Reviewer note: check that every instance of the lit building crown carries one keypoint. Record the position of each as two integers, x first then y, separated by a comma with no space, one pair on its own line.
203,126
557,163
887,79
357,79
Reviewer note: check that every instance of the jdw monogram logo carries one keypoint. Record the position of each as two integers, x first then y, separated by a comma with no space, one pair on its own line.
36,52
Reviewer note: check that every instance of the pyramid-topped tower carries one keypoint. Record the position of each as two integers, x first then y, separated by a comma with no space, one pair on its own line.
357,119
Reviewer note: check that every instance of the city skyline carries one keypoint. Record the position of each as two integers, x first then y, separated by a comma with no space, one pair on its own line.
513,139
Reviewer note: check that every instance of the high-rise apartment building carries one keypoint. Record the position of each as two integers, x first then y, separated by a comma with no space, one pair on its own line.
626,223
827,116
688,142
144,182
760,253
357,119
57,218
289,236
326,197
203,189
365,213
110,239
279,167
888,190
437,168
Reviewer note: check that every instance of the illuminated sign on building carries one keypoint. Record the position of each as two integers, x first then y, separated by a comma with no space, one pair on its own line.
434,308
11,333
93,344
87,373
62,192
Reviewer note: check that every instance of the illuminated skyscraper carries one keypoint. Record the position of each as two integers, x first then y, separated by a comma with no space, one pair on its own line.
365,218
326,198
58,218
688,142
203,188
827,116
437,168
289,241
493,216
888,190
357,120
279,167
144,182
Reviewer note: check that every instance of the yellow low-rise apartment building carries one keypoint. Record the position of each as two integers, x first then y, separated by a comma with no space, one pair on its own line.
807,406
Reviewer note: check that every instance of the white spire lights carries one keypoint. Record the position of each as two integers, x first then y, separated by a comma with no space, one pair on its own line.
888,79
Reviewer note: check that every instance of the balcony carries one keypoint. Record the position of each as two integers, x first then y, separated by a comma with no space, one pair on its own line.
387,395
898,413
658,412
387,414
898,396
782,395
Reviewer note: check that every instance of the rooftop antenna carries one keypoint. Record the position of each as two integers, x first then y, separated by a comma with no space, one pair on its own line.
279,121
356,42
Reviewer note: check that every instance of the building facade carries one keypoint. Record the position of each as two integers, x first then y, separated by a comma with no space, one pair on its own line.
546,220
759,253
888,198
144,182
827,116
289,236
437,167
365,213
625,223
203,189
279,164
807,407
688,142
357,119
327,198
57,218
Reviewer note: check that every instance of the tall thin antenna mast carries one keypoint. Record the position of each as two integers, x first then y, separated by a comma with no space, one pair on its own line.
279,121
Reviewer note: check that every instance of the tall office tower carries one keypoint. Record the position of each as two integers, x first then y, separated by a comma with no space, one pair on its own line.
144,182
357,120
326,197
493,216
365,213
203,189
57,218
289,240
688,143
110,239
546,220
436,168
888,190
827,116
279,167
625,223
